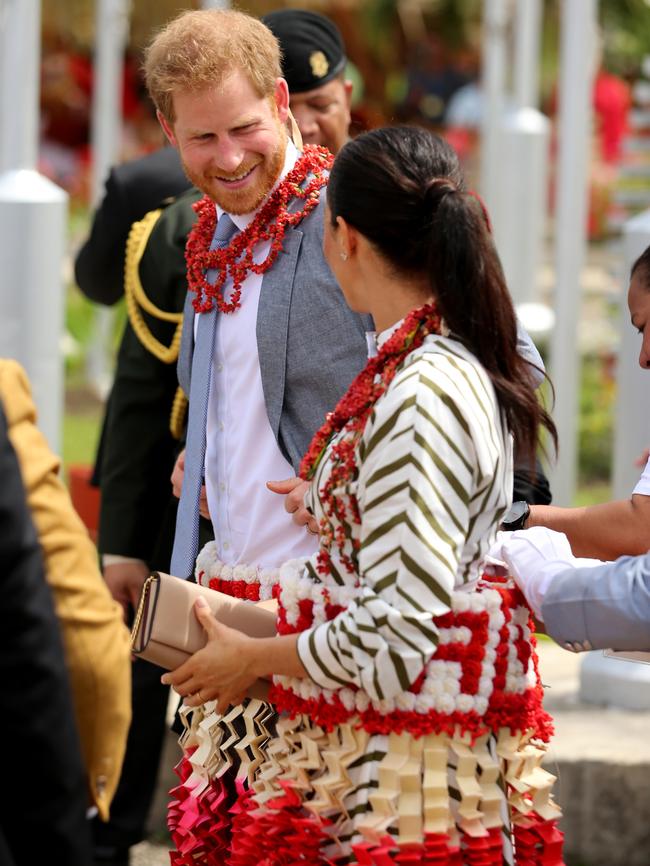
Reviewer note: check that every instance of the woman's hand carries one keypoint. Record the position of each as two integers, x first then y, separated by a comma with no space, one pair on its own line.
293,490
221,671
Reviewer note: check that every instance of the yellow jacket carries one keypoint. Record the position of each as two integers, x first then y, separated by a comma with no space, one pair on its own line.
95,637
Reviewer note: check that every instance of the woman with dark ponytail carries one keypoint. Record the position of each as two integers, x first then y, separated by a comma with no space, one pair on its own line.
412,728
402,189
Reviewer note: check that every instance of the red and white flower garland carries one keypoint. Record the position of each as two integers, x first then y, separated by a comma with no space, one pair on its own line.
270,224
248,582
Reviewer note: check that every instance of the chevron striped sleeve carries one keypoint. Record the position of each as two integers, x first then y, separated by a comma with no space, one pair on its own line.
435,477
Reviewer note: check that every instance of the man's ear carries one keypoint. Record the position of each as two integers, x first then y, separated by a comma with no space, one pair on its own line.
167,128
294,131
281,98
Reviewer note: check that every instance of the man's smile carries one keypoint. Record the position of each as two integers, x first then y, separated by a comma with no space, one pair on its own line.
236,180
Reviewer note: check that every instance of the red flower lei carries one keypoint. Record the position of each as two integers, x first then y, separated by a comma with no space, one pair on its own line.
351,413
270,224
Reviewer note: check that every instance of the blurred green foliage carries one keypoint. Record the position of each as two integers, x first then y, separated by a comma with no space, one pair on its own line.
596,437
625,26
80,436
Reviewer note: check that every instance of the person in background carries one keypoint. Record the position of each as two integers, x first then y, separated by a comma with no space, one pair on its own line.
95,639
138,509
132,190
313,64
620,528
585,604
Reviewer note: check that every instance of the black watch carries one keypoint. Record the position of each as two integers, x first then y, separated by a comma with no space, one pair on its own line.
516,517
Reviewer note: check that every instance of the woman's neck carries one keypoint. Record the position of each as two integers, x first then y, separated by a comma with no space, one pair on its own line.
394,297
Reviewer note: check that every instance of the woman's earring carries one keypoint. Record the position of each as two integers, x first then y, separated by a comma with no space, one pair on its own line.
344,255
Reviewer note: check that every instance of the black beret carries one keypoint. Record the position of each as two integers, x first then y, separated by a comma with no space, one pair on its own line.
312,49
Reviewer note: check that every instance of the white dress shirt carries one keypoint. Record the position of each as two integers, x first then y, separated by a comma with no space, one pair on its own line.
250,523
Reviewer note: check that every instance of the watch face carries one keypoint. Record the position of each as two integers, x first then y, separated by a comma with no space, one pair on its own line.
517,515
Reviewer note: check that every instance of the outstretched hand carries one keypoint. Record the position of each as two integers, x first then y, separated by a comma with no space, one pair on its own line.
221,671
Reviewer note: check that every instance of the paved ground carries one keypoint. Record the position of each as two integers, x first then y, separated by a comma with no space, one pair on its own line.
584,731
149,854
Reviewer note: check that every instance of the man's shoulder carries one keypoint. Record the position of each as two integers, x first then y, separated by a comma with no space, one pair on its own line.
312,225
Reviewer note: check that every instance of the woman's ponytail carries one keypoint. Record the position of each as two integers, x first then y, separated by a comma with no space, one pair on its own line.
473,299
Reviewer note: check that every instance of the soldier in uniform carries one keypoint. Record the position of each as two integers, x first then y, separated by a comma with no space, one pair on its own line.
131,191
314,63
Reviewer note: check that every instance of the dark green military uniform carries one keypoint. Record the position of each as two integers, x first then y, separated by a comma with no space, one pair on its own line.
137,514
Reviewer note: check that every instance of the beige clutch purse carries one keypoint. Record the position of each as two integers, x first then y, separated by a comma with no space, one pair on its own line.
166,631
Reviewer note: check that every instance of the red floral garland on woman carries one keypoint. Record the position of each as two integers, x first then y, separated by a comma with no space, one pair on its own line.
270,223
351,413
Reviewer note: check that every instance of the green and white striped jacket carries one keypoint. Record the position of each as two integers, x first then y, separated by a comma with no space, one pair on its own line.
435,479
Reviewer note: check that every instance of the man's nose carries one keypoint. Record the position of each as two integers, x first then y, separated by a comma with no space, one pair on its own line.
228,155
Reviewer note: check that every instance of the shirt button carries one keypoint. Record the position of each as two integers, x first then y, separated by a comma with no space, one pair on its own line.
219,368
221,426
222,486
226,545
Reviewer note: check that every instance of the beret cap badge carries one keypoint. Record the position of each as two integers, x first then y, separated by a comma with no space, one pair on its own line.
319,65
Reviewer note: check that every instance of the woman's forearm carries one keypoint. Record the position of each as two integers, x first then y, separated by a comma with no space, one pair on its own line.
276,655
604,531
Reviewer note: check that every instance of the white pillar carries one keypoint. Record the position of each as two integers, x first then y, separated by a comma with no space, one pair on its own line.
520,230
20,33
523,155
33,218
577,56
493,83
632,428
528,26
111,30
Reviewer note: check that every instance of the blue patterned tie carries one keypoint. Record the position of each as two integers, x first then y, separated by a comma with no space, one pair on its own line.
186,540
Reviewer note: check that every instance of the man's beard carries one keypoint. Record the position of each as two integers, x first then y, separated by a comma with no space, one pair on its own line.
248,199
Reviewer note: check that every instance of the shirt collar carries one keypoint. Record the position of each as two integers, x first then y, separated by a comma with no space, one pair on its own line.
242,221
